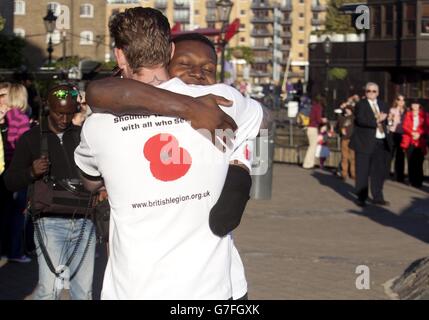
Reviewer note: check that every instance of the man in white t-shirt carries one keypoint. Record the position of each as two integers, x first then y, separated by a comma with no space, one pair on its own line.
162,178
194,62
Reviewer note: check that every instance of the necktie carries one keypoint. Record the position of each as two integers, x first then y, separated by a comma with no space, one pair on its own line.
374,108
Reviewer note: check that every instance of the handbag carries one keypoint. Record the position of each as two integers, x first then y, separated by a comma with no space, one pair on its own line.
65,196
50,195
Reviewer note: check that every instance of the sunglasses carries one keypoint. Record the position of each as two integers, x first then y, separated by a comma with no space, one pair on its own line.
371,91
63,94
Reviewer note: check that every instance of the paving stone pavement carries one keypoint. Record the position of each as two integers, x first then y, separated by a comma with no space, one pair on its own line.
307,242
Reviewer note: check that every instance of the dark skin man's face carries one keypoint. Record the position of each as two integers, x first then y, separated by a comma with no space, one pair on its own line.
194,63
63,105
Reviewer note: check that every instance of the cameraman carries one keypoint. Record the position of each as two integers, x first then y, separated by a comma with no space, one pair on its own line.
69,239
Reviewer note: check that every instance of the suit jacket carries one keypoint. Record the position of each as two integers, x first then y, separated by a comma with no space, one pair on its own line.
363,138
407,125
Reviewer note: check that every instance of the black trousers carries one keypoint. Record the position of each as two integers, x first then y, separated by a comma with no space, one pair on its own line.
415,159
399,155
373,168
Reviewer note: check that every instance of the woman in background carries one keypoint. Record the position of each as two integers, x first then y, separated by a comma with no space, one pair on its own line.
414,142
395,120
18,123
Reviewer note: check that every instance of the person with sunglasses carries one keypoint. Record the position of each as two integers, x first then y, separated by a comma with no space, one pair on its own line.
66,242
372,144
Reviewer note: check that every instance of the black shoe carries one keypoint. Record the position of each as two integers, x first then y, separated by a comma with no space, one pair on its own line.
381,203
360,203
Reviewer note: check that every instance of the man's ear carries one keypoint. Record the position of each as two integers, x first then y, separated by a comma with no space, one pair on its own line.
120,58
173,48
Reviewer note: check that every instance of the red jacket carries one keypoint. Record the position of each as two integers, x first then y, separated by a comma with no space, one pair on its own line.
422,129
315,115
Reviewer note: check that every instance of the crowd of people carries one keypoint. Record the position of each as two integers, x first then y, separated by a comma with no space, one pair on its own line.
176,188
374,139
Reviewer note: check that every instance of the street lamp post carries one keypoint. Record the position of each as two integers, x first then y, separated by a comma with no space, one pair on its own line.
224,8
327,47
49,22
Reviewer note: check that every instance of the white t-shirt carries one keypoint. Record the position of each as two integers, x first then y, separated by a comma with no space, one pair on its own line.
162,179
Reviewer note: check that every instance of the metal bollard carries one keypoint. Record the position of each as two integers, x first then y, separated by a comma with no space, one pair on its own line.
262,166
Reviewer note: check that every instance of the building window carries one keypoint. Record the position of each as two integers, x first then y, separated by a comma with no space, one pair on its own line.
86,38
388,21
56,37
19,7
301,28
55,7
425,18
197,12
376,18
87,10
243,12
19,32
301,41
301,55
410,20
426,89
242,39
301,15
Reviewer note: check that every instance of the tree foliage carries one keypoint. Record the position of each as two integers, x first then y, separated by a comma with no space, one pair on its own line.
338,73
11,55
240,52
336,22
2,22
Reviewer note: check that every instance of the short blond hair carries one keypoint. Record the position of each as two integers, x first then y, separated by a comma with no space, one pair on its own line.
18,97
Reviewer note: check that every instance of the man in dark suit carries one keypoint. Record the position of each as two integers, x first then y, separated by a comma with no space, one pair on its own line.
371,143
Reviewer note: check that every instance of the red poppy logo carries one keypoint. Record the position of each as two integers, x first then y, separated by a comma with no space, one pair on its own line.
168,161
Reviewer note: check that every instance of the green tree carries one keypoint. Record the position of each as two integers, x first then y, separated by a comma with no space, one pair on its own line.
2,22
336,21
240,52
11,55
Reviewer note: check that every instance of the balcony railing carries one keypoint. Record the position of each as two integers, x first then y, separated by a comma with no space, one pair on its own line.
211,18
261,33
286,21
183,19
257,5
284,47
122,1
161,4
259,74
318,7
182,5
211,4
262,20
285,34
259,47
286,7
262,59
316,22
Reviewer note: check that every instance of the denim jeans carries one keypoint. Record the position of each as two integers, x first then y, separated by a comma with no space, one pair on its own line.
60,237
17,224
